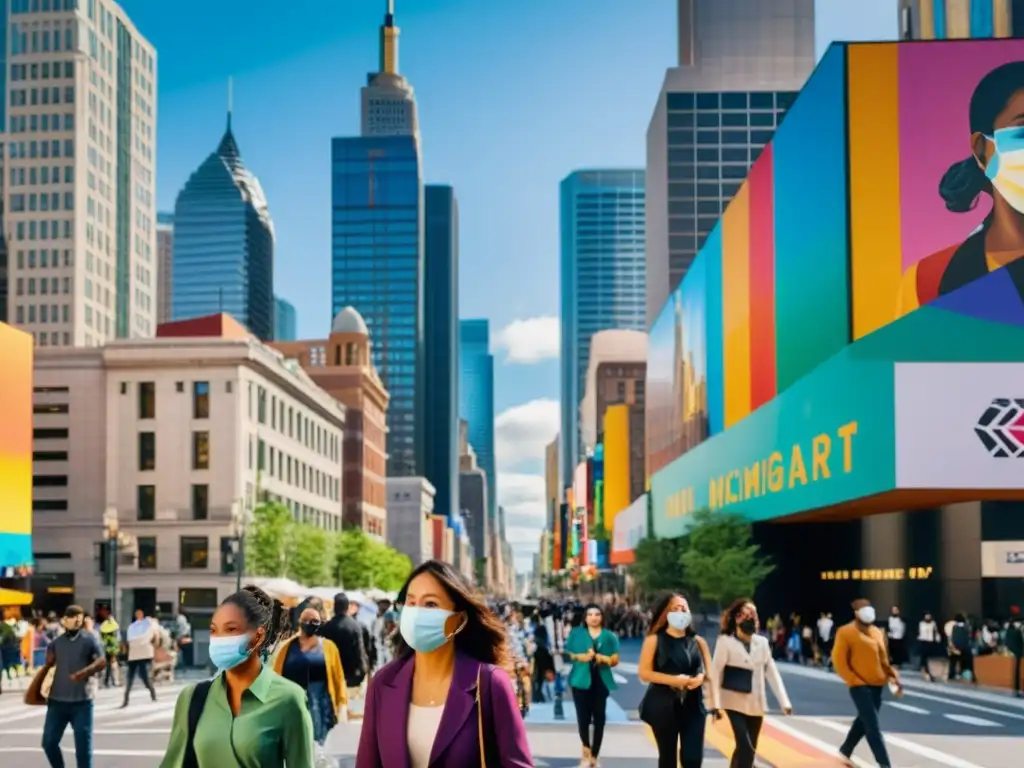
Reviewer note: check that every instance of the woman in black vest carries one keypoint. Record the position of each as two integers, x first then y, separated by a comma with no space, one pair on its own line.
673,661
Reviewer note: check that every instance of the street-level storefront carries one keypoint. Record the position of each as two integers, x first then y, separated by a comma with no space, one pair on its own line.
893,471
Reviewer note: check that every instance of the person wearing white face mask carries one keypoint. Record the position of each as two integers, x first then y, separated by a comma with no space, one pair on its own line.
246,715
673,662
861,660
994,168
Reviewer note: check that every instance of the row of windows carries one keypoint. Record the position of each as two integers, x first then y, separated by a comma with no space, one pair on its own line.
732,100
44,230
24,97
722,119
44,202
52,285
291,422
288,469
45,6
146,398
688,137
42,313
45,175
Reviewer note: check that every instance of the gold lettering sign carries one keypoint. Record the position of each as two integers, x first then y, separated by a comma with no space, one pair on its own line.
879,574
680,503
798,466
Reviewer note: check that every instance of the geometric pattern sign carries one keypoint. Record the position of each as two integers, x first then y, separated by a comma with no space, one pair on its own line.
1001,428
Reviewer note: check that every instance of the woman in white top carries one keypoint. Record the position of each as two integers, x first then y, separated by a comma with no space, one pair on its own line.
742,661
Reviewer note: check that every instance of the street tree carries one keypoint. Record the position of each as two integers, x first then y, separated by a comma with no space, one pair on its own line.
391,569
310,555
362,562
268,540
719,558
656,566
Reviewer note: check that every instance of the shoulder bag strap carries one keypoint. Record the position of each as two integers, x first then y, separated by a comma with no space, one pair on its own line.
195,711
488,749
480,717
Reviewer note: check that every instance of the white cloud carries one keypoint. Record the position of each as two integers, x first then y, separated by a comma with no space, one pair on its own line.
523,431
522,496
530,341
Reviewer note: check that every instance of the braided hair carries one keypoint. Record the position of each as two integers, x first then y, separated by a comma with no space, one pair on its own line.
261,610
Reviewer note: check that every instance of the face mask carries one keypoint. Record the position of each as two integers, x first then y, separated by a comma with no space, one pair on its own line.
228,652
748,626
866,614
680,620
1005,168
309,628
423,628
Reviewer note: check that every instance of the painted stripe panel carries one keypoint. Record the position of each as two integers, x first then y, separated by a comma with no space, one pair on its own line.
712,255
1002,23
762,281
982,23
876,256
736,305
926,9
938,18
958,19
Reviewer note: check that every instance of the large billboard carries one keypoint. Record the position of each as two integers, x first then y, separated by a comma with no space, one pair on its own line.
616,463
15,448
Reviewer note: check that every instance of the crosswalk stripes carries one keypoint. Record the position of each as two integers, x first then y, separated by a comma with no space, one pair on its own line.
140,717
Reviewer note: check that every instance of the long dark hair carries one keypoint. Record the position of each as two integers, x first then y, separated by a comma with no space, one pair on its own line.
659,613
965,180
732,613
483,638
261,610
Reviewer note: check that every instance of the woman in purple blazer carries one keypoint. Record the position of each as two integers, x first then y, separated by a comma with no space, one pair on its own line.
446,701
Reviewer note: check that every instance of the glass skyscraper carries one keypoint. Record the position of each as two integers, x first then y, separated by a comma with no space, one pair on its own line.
224,244
602,278
377,266
441,345
476,400
284,320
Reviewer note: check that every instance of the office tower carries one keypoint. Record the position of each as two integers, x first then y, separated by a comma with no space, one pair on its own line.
164,269
441,347
741,64
388,100
958,19
377,268
224,243
602,278
80,85
284,320
476,401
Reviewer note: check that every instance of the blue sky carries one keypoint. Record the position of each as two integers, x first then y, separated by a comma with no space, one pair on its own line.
512,97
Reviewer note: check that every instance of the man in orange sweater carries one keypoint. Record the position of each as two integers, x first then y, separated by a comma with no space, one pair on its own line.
861,660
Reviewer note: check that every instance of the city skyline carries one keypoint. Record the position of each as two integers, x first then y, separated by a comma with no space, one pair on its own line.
290,156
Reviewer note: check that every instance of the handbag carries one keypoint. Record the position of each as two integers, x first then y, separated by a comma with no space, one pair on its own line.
738,679
38,690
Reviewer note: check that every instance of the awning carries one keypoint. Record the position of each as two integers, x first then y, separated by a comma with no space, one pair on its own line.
14,597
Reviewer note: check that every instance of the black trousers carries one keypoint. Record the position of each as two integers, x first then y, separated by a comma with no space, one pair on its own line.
1016,674
591,707
141,669
868,701
746,729
679,734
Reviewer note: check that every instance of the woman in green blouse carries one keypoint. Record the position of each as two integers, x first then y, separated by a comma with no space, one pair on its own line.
247,716
593,651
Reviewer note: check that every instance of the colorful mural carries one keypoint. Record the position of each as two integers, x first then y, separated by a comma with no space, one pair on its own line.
15,448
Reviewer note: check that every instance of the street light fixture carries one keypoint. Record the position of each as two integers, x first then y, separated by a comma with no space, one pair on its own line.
117,540
240,516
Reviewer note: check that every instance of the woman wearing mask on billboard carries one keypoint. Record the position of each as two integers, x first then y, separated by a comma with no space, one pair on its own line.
995,167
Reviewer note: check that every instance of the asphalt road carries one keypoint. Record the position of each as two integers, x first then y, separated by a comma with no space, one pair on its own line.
932,726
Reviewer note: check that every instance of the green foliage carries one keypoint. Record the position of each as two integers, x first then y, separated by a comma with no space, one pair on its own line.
268,540
361,562
656,567
310,555
720,559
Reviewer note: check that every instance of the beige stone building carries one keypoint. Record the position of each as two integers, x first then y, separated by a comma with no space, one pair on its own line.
176,438
342,366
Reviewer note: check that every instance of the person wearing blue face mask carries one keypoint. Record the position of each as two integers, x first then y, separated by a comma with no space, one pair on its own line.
247,716
446,699
994,168
673,663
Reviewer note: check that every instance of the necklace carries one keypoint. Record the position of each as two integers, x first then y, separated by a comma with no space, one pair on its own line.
437,690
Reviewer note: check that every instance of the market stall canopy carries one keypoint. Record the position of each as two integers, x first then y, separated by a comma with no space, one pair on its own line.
14,597
287,591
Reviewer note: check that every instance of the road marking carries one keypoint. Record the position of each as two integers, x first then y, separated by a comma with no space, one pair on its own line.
953,702
907,707
910,746
619,679
814,742
100,732
97,752
628,668
163,714
971,720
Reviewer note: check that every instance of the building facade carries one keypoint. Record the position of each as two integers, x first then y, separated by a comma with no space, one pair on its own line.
441,347
741,64
960,19
602,278
80,173
285,320
476,401
165,268
410,509
224,243
388,100
377,268
474,498
341,366
236,425
616,373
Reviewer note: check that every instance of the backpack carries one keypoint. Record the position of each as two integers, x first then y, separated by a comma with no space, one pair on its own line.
195,711
960,638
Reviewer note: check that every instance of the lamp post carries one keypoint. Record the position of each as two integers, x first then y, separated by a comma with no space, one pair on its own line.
116,540
239,522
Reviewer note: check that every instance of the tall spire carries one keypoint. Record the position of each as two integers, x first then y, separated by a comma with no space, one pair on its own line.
389,33
230,99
